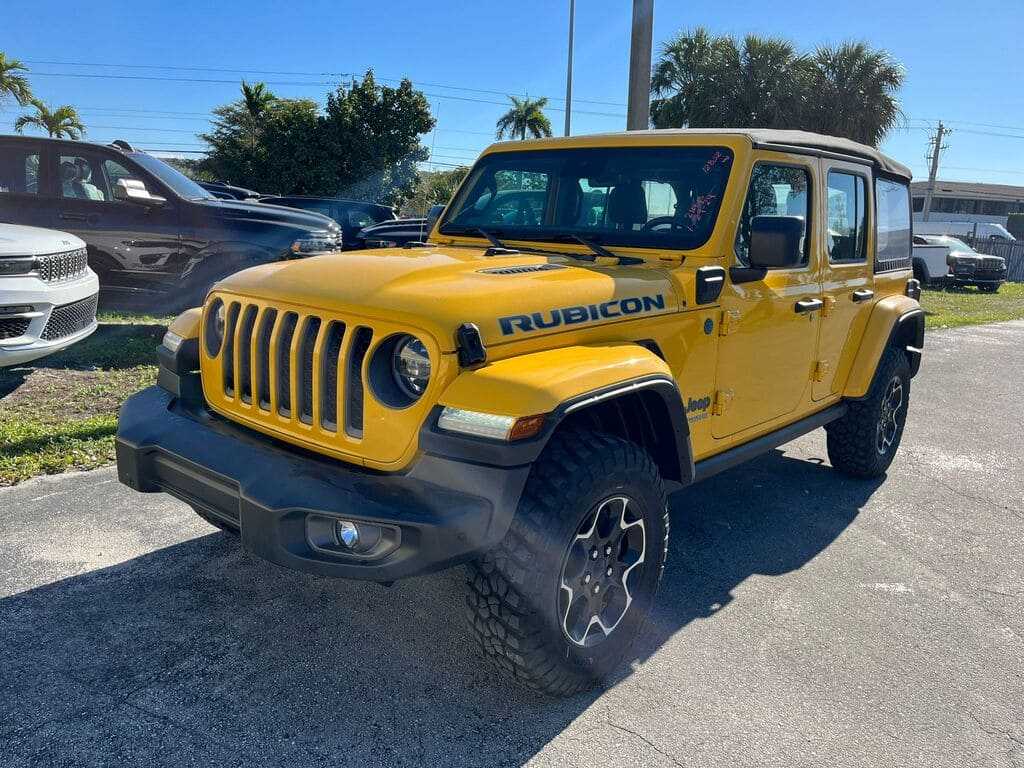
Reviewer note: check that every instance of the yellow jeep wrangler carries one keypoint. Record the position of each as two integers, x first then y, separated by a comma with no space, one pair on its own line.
594,321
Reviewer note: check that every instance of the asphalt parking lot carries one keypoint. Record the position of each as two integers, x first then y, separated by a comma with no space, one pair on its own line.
804,619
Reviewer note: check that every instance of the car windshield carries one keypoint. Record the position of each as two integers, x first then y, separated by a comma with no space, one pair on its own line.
648,197
181,184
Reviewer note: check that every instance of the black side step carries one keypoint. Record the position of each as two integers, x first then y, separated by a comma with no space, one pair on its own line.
744,453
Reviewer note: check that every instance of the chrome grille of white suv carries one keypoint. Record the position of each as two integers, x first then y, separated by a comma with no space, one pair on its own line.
58,267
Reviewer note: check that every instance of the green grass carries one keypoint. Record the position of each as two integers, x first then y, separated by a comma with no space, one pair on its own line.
60,413
968,306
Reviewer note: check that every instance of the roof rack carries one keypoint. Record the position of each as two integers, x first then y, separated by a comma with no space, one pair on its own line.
122,144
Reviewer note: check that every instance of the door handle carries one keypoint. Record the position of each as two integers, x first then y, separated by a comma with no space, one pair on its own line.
862,295
808,305
72,216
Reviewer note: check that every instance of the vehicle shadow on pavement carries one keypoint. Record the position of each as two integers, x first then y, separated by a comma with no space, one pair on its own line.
200,654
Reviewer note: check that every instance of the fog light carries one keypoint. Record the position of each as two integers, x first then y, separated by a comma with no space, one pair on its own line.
350,538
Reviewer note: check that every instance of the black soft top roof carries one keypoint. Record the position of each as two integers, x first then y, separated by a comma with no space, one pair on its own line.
767,138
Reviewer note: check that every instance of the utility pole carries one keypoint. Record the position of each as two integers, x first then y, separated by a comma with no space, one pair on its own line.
638,112
936,149
568,74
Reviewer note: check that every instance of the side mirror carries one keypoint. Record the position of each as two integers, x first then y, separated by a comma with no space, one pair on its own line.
432,216
134,191
776,241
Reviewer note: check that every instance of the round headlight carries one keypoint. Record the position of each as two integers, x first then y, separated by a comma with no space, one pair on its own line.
215,327
411,366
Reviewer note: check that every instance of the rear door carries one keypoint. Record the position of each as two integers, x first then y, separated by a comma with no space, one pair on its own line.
26,197
846,275
134,248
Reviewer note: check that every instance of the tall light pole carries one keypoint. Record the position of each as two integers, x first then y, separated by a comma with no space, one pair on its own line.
568,74
638,112
936,149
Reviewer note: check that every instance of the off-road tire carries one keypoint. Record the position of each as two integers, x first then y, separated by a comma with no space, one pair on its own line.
514,590
215,522
854,441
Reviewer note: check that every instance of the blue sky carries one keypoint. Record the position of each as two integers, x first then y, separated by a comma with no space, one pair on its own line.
963,62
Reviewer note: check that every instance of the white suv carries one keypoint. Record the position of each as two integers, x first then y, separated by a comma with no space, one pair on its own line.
48,293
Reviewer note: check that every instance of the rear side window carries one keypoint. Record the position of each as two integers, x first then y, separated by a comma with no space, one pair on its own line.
892,217
19,170
847,218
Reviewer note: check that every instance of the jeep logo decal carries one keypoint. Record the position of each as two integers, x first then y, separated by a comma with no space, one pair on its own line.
553,318
697,410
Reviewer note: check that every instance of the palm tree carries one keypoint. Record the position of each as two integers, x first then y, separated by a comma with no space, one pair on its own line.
256,102
855,91
525,116
12,83
706,81
58,123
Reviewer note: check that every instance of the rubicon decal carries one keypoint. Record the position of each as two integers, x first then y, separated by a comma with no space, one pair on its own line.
583,313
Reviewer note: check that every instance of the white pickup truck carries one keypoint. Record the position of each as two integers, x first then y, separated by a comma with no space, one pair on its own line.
48,294
946,260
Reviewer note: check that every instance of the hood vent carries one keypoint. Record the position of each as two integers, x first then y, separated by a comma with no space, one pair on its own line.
522,270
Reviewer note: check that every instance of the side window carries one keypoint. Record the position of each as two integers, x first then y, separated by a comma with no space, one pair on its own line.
775,190
19,170
82,178
847,217
359,219
114,171
892,216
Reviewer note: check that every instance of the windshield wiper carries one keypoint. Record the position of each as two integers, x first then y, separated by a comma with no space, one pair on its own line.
491,237
598,249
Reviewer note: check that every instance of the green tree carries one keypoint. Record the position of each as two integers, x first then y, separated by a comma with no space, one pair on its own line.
707,81
364,145
854,93
435,187
524,117
12,82
58,123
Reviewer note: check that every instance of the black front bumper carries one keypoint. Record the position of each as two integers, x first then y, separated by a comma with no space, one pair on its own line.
447,510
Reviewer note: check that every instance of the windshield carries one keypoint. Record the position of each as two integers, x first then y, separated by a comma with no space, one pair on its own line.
649,197
181,184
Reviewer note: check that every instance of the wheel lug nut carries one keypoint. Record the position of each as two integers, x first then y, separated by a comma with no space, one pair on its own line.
608,572
593,555
608,550
597,588
586,578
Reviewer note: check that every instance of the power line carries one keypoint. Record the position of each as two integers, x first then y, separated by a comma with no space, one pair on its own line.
293,73
301,84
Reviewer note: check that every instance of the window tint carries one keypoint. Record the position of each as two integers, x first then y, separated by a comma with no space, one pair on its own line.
19,170
653,197
775,190
359,219
892,216
918,204
81,177
847,217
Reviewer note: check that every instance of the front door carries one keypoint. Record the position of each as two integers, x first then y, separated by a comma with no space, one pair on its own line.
769,327
846,276
134,248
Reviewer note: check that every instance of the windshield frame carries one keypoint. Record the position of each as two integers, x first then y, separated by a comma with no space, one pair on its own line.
559,234
173,179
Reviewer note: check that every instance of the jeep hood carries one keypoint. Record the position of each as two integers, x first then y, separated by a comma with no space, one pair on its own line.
439,288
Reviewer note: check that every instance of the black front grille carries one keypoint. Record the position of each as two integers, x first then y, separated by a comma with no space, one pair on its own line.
284,364
310,331
13,327
69,319
57,267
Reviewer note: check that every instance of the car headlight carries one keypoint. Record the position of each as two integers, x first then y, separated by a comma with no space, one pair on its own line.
410,366
215,318
16,266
